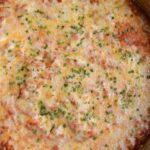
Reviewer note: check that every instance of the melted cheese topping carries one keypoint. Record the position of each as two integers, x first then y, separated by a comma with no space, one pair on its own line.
73,75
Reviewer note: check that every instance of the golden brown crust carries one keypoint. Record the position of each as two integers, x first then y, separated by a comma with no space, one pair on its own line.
145,135
145,29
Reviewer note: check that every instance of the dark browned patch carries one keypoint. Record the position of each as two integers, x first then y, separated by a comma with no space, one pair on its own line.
6,146
141,141
94,1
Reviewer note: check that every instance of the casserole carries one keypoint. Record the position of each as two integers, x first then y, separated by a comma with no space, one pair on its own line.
74,75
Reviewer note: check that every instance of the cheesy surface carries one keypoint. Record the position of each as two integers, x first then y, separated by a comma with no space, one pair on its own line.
74,75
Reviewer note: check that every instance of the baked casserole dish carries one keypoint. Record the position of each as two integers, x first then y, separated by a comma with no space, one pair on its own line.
74,75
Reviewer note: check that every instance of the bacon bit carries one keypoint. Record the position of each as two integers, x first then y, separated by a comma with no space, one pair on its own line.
30,123
94,1
105,93
59,1
103,63
73,101
75,36
10,113
91,134
48,63
73,125
1,19
37,64
48,60
55,148
44,1
45,55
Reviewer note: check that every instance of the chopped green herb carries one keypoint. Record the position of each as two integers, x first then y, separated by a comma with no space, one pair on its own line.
34,131
52,128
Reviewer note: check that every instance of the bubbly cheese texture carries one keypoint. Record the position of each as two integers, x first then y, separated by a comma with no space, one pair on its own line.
74,75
